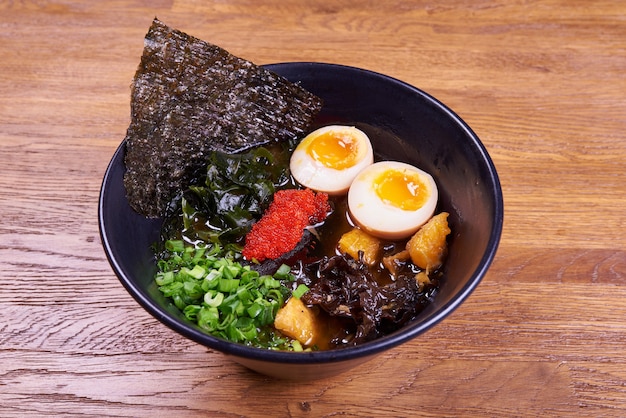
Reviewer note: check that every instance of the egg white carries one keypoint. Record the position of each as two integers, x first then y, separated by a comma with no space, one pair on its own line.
313,174
380,218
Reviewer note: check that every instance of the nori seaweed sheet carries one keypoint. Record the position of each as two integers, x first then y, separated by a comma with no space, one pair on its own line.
189,98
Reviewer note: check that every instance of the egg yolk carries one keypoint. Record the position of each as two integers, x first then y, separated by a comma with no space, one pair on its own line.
336,150
401,189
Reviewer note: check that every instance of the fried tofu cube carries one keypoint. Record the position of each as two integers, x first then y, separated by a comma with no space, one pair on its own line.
357,240
422,280
298,321
393,262
428,245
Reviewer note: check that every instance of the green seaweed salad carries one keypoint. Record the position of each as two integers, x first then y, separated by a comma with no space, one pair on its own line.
199,262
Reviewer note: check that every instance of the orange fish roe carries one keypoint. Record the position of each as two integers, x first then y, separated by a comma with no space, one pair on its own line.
282,226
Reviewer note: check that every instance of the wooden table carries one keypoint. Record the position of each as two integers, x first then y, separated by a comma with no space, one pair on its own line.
541,82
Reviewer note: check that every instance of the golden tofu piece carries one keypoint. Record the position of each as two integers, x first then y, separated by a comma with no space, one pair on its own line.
358,240
428,245
298,321
422,280
392,262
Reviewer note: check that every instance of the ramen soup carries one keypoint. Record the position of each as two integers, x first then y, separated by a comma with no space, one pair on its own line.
318,243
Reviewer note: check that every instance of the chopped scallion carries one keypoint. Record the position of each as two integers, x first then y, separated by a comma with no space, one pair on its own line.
283,272
223,297
175,246
213,299
300,291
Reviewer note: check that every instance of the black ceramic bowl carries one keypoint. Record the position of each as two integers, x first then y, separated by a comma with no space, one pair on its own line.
404,124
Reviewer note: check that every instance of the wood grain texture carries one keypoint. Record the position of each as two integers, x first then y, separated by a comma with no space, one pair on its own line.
540,81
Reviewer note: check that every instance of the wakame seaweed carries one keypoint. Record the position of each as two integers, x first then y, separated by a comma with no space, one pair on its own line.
234,193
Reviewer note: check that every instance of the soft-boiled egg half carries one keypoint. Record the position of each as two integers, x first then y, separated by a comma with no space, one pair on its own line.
391,200
329,158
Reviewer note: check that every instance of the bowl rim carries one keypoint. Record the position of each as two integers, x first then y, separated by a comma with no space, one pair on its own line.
367,349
